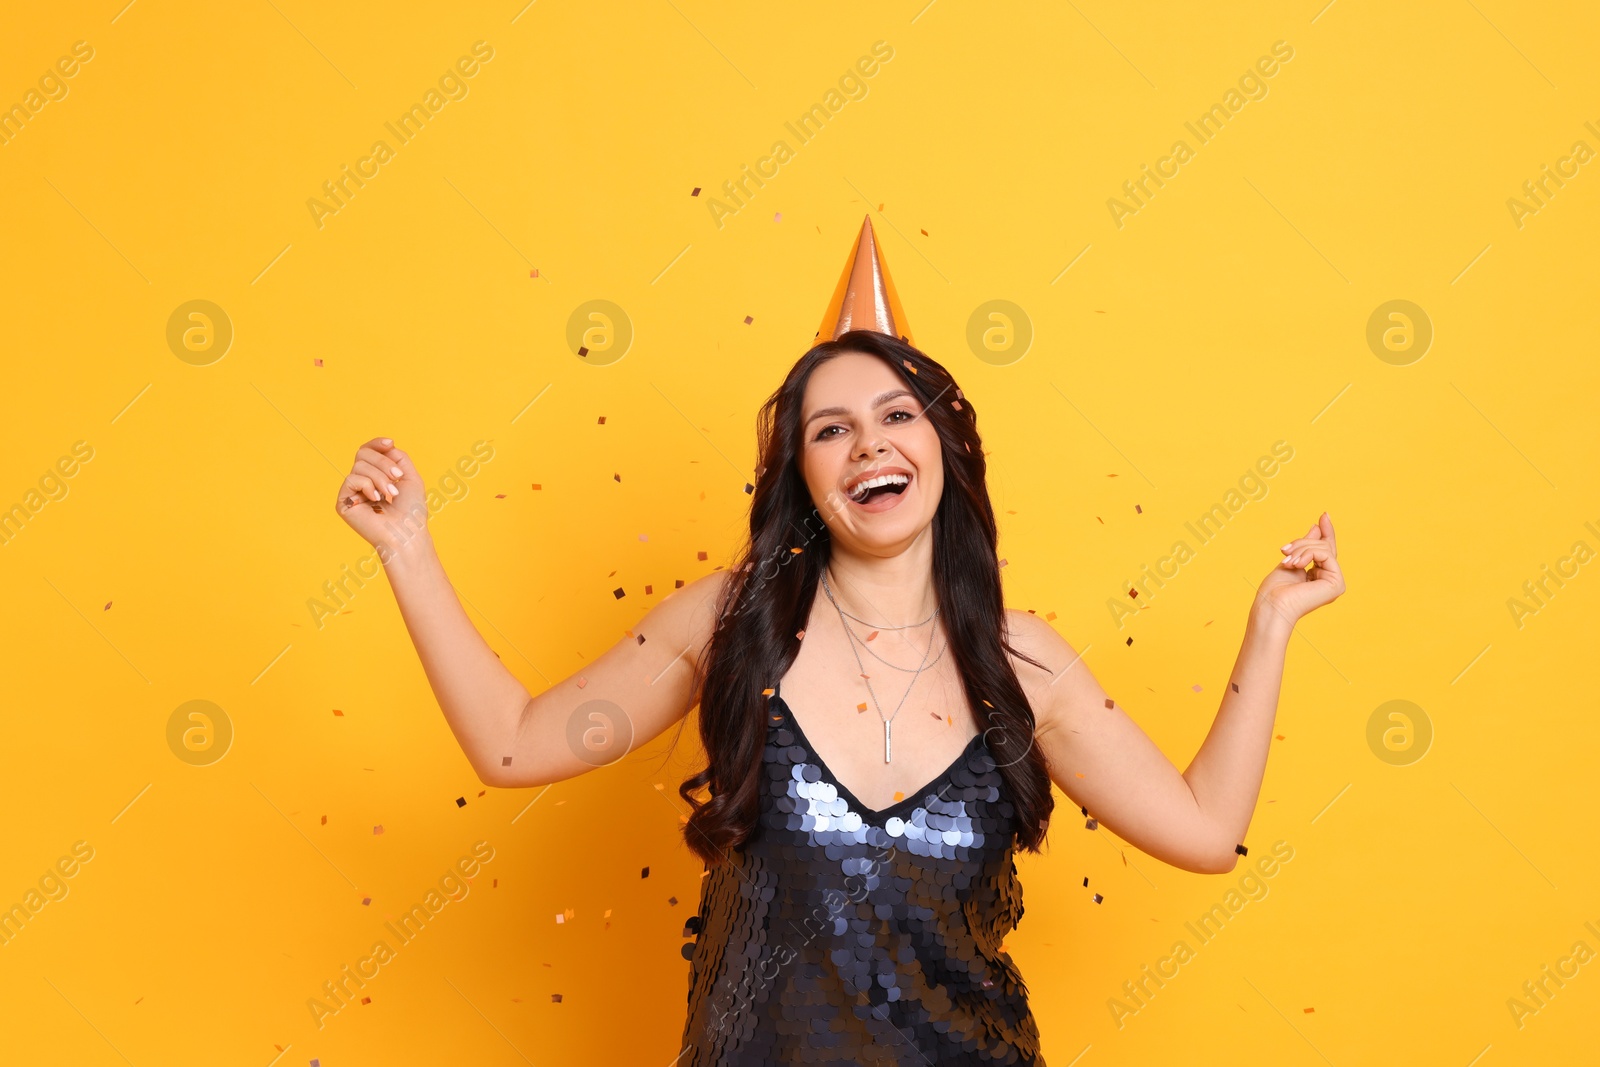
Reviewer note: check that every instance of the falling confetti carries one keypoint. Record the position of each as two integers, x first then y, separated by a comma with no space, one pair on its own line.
505,761
1196,688
1098,898
555,998
324,820
748,320
1110,703
1137,510
316,362
618,593
378,829
583,350
1092,824
695,192
700,555
1241,850
461,802
339,713
645,873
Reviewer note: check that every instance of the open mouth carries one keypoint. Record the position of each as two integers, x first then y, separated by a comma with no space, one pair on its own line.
873,491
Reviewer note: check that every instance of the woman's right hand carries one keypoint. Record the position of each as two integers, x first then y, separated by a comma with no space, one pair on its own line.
382,498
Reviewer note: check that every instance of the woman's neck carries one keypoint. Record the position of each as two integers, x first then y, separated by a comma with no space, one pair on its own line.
888,591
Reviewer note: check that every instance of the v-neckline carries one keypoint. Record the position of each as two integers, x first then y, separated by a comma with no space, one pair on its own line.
911,800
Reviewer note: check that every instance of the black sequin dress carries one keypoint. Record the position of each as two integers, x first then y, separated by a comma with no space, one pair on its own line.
839,934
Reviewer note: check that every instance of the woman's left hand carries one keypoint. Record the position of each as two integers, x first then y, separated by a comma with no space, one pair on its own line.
1291,590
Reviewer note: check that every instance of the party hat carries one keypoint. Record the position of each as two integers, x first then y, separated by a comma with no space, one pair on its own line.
865,298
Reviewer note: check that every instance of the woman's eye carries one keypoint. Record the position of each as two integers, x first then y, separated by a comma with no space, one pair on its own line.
907,414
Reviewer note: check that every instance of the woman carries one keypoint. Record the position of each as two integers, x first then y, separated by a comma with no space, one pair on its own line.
880,731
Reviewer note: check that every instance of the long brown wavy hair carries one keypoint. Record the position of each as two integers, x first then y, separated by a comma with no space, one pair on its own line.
772,586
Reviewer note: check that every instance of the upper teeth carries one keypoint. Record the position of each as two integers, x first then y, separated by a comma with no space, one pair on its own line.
884,479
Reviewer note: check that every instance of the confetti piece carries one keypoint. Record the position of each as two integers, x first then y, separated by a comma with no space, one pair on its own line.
766,692
1241,850
1098,898
678,584
1092,824
618,593
1133,594
643,873
748,320
872,635
536,485
948,721
935,714
648,590
748,488
641,639
555,998
366,1000
778,217
1130,640
1086,881
672,901
696,191
582,682
1050,616
1280,737
1083,810
1235,686
924,233
461,802
499,496
107,607
378,829
339,713
1078,773
700,555
1002,563
1137,510
366,901
1196,688
505,761
316,362
1110,703
534,273
1101,521
324,820
908,366
583,350
801,636
1308,1011
861,707
956,404
899,796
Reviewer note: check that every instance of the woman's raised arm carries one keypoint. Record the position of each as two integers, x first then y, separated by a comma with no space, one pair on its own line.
629,695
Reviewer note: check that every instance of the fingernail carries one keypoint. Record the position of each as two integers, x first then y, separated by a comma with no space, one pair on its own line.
388,440
1285,548
393,490
395,471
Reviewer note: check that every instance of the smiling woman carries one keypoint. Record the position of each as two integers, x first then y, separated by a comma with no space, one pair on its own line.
859,826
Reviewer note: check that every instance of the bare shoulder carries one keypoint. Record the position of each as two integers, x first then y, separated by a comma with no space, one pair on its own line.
690,614
1035,638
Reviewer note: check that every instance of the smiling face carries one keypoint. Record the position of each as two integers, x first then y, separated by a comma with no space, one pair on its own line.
862,425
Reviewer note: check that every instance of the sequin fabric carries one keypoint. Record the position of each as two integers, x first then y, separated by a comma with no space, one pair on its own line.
843,935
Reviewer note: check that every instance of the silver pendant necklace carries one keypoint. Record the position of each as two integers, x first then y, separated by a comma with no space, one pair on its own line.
851,639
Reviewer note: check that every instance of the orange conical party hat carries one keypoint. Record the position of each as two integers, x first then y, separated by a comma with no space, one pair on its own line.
865,298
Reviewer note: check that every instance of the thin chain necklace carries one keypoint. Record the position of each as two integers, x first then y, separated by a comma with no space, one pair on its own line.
851,638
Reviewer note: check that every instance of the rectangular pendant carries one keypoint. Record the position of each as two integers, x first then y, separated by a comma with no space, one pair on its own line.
886,742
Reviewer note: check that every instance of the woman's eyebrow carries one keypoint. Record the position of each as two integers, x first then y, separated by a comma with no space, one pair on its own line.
877,401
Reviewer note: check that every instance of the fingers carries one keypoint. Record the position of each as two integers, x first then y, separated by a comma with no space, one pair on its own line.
1318,535
378,479
1316,550
382,462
